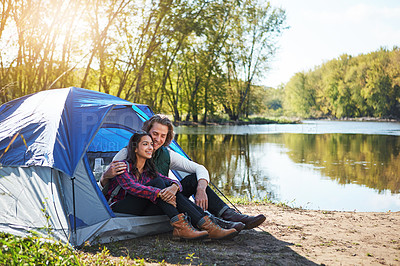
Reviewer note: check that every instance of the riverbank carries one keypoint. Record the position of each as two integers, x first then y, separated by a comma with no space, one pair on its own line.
288,237
281,120
358,119
249,121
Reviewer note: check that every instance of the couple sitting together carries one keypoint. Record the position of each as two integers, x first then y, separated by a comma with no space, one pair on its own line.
136,183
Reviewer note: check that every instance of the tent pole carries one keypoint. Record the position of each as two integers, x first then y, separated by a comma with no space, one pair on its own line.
225,197
73,202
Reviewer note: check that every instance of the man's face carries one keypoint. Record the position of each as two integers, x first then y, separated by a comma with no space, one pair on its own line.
159,133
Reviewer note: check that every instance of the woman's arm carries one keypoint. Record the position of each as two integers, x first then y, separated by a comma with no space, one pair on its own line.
172,181
168,194
132,186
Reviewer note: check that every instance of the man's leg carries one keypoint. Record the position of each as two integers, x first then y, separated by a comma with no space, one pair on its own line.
219,208
216,206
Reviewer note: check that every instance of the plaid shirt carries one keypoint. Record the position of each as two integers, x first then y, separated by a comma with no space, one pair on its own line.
136,187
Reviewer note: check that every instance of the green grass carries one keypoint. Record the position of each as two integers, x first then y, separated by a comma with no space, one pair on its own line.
265,200
245,200
34,250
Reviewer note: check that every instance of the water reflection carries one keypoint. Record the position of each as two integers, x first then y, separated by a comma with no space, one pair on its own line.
229,160
277,165
370,160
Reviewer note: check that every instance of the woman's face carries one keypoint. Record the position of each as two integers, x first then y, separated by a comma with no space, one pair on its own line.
145,148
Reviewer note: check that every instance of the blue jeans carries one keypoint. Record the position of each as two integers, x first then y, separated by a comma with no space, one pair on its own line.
216,206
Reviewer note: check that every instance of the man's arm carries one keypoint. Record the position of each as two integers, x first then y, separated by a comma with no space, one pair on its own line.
114,169
180,163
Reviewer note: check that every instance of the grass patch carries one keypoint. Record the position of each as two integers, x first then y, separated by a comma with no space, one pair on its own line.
35,250
246,201
266,200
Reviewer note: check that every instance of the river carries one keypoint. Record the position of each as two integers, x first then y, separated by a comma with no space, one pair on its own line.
320,165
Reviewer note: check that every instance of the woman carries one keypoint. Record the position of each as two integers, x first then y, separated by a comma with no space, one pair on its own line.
146,192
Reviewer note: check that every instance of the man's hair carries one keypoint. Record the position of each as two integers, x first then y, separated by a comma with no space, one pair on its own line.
163,120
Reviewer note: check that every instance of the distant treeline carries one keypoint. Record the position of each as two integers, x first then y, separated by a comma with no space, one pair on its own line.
366,85
191,58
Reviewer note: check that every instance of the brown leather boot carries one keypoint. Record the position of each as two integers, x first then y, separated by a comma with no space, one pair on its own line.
216,232
249,221
184,230
226,224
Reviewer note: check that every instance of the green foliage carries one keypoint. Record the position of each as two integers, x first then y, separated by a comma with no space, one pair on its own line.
365,85
34,250
300,98
185,58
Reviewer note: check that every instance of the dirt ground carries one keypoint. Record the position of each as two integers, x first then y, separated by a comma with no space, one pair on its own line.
288,237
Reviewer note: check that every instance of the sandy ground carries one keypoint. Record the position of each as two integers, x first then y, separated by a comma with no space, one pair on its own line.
335,238
287,237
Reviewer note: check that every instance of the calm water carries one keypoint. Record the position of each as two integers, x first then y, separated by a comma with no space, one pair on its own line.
327,165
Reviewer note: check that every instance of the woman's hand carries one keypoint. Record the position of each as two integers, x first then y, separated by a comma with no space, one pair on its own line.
168,194
168,198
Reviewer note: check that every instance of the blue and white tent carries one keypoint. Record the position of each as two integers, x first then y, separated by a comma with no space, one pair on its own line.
49,143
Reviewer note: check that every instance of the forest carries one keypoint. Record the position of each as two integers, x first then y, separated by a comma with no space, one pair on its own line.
366,85
193,59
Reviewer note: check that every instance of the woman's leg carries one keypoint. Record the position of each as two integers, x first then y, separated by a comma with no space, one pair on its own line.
136,206
185,205
182,228
141,206
202,221
167,208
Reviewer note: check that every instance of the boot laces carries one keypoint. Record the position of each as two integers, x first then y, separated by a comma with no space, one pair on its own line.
215,225
189,224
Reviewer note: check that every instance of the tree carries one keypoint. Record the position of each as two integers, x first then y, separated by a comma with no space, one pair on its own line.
366,85
250,48
299,96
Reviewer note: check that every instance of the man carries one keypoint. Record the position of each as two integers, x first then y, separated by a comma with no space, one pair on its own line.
161,130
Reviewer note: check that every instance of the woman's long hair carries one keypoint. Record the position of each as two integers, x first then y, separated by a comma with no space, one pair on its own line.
149,166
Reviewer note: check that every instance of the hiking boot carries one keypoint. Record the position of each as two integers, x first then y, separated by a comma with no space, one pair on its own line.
215,231
227,224
249,221
184,230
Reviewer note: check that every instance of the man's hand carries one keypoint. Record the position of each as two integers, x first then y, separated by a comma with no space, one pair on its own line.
201,198
114,169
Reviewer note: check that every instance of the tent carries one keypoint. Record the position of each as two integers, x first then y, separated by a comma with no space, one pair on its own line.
52,145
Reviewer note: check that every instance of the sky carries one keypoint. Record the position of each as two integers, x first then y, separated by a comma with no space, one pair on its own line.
321,30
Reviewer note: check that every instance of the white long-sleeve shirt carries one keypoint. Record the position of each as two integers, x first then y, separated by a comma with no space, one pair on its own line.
178,163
